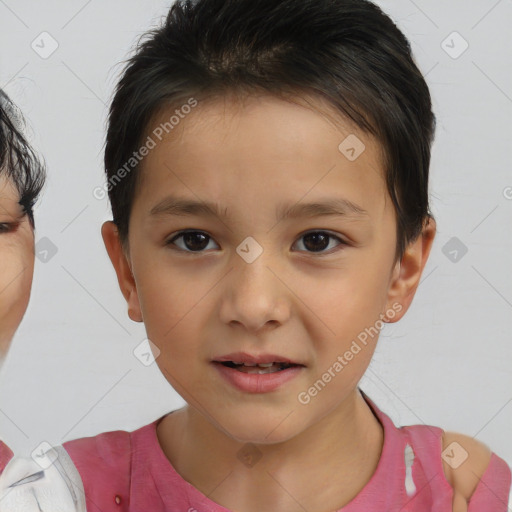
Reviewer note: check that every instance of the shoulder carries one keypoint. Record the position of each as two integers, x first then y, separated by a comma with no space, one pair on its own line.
465,460
110,447
104,464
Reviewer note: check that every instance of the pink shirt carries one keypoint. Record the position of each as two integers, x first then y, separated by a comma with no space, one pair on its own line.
6,455
128,471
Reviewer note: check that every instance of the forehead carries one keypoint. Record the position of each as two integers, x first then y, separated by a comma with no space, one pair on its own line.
9,198
262,149
8,191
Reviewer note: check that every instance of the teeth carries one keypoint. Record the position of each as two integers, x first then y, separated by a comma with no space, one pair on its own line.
258,370
262,365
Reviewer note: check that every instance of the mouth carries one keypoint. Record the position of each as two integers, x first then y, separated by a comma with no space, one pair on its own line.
261,373
258,368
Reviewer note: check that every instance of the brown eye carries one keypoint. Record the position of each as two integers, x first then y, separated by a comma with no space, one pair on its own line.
198,241
316,241
193,241
319,241
8,227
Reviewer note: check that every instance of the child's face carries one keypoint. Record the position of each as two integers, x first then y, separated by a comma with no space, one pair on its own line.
17,263
304,299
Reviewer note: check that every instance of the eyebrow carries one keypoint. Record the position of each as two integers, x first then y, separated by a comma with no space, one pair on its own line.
340,207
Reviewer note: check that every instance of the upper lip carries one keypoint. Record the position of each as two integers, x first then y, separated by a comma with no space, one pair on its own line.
243,357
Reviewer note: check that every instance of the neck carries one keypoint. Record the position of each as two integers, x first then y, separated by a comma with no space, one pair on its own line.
322,468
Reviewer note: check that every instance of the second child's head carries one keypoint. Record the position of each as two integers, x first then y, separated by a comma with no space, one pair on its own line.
22,177
267,167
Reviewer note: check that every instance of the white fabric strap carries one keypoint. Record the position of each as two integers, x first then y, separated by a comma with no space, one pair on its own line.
410,487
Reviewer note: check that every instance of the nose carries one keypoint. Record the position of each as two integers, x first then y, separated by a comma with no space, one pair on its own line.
255,296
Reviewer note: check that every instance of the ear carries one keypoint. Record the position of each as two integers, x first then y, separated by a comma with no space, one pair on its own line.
407,272
122,266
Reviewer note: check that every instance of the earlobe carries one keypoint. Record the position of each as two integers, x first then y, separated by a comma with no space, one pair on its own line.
407,272
122,266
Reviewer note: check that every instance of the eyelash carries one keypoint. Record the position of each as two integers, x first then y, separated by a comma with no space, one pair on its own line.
180,234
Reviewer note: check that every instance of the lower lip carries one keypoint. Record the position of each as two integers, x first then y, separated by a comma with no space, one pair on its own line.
254,382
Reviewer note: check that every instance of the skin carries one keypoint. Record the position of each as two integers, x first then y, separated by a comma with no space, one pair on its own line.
17,269
251,156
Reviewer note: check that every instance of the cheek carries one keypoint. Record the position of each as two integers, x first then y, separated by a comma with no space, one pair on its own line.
348,302
169,308
15,283
347,321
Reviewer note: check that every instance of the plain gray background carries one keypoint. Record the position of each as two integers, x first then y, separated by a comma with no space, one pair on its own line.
72,372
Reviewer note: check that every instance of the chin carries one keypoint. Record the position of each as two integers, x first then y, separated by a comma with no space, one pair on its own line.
260,429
